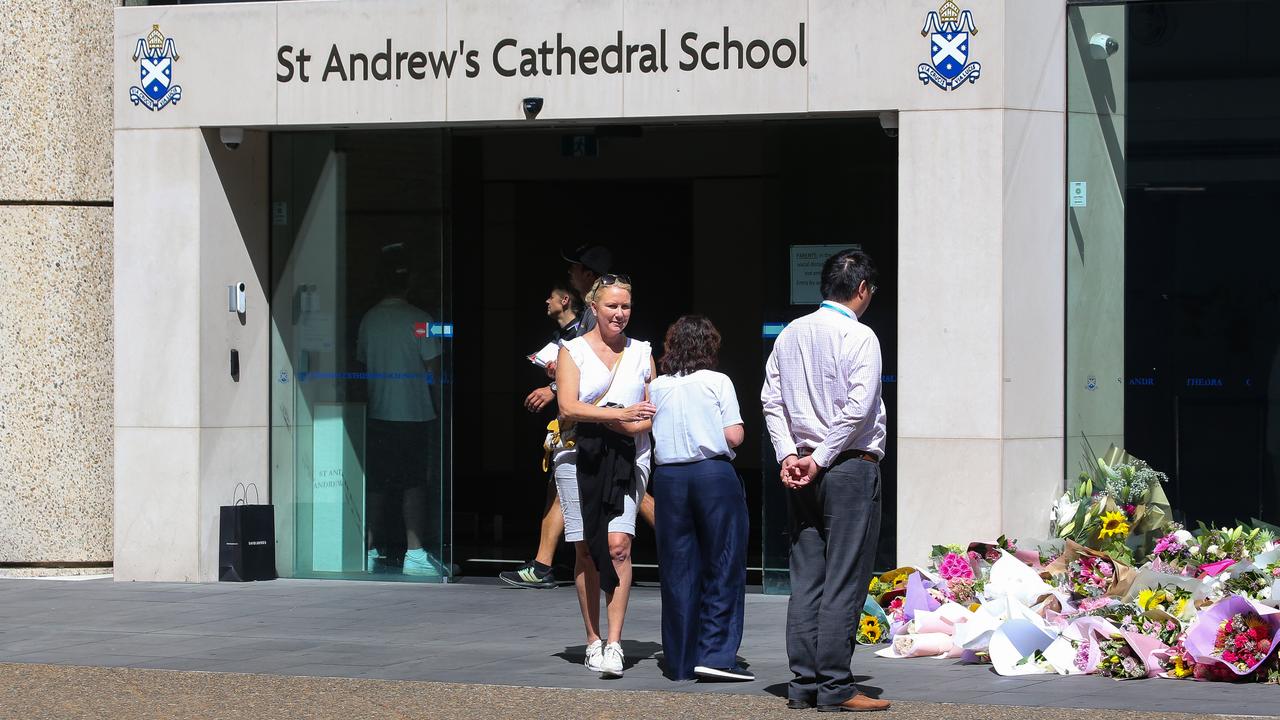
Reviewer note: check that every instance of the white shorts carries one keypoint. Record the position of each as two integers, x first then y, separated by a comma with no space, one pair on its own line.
567,487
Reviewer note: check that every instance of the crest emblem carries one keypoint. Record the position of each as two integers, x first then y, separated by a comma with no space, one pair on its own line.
950,31
155,55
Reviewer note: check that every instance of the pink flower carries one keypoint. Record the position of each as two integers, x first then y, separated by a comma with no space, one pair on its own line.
953,566
1090,604
1212,569
1241,641
1229,656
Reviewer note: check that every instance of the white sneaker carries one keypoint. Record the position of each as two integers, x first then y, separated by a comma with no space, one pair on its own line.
371,560
595,655
611,664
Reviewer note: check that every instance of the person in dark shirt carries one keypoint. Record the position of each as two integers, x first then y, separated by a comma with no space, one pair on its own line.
564,306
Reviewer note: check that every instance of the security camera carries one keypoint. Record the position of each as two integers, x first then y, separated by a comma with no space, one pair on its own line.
532,106
1102,46
889,123
231,137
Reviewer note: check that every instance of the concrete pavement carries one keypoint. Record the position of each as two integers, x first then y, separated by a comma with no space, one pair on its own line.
481,635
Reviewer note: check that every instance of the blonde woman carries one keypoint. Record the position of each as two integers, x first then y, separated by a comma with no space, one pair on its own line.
602,380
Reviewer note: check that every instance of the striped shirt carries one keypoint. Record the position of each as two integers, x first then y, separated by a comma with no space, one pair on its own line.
822,387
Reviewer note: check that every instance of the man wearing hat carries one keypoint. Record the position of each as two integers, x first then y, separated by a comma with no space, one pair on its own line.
586,264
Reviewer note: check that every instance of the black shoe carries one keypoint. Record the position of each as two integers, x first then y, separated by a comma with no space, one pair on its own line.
731,674
799,704
529,577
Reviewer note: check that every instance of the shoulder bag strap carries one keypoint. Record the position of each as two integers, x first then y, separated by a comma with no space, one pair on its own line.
612,376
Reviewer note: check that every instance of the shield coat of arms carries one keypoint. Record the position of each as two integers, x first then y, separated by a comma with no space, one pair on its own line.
950,32
155,55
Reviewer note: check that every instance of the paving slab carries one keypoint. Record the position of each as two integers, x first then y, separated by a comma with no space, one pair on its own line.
43,692
485,635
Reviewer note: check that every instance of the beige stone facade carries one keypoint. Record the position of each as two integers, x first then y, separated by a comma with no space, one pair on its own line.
56,309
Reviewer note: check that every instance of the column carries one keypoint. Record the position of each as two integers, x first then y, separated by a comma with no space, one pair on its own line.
55,291
191,220
981,314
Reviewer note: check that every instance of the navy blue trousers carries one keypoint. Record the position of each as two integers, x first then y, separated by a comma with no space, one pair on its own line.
701,524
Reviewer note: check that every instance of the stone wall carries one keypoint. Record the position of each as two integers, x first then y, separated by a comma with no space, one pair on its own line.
56,425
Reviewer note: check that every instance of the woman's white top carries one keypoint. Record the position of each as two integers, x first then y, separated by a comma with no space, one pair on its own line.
594,377
693,411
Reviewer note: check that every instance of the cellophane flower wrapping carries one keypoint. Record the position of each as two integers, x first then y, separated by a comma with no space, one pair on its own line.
917,598
1236,612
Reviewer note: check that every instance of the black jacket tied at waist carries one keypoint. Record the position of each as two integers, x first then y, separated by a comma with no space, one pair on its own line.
606,476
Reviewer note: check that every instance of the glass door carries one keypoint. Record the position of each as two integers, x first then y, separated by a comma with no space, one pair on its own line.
360,355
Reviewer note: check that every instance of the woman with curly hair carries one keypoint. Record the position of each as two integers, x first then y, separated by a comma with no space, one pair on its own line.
701,510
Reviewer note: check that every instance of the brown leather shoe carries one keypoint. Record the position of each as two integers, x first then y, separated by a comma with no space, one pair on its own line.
857,703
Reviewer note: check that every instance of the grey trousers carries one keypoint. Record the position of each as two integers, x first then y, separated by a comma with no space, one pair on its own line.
835,526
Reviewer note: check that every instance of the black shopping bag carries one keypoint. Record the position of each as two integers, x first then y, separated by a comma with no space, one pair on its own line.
246,539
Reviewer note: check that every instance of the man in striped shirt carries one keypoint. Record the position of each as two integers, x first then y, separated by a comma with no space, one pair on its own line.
826,418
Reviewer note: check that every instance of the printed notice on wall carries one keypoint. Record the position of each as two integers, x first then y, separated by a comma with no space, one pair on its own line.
806,271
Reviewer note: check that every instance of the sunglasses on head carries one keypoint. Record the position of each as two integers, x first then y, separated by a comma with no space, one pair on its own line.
612,279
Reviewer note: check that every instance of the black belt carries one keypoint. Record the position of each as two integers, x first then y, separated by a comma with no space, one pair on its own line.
721,458
845,456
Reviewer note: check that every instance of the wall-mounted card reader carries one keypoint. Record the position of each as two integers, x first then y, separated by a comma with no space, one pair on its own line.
235,365
236,302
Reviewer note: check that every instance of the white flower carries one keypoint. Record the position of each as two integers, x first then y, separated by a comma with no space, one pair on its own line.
1195,549
1182,536
1225,576
1213,550
1064,510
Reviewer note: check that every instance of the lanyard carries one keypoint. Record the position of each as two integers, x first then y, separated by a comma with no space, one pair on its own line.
827,304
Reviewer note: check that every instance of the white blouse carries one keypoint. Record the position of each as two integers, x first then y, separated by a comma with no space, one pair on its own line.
627,389
693,411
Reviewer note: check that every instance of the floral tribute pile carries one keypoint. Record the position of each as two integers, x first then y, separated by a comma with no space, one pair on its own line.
1119,591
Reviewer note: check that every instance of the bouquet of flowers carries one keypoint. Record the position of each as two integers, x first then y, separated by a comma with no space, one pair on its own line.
897,611
1172,553
1243,640
1118,660
1235,634
1176,662
1121,614
1169,600
889,585
1089,576
960,582
1213,550
1087,573
872,623
1167,631
870,631
1118,499
1253,584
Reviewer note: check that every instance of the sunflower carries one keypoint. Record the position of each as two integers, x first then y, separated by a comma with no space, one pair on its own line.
1114,524
869,630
